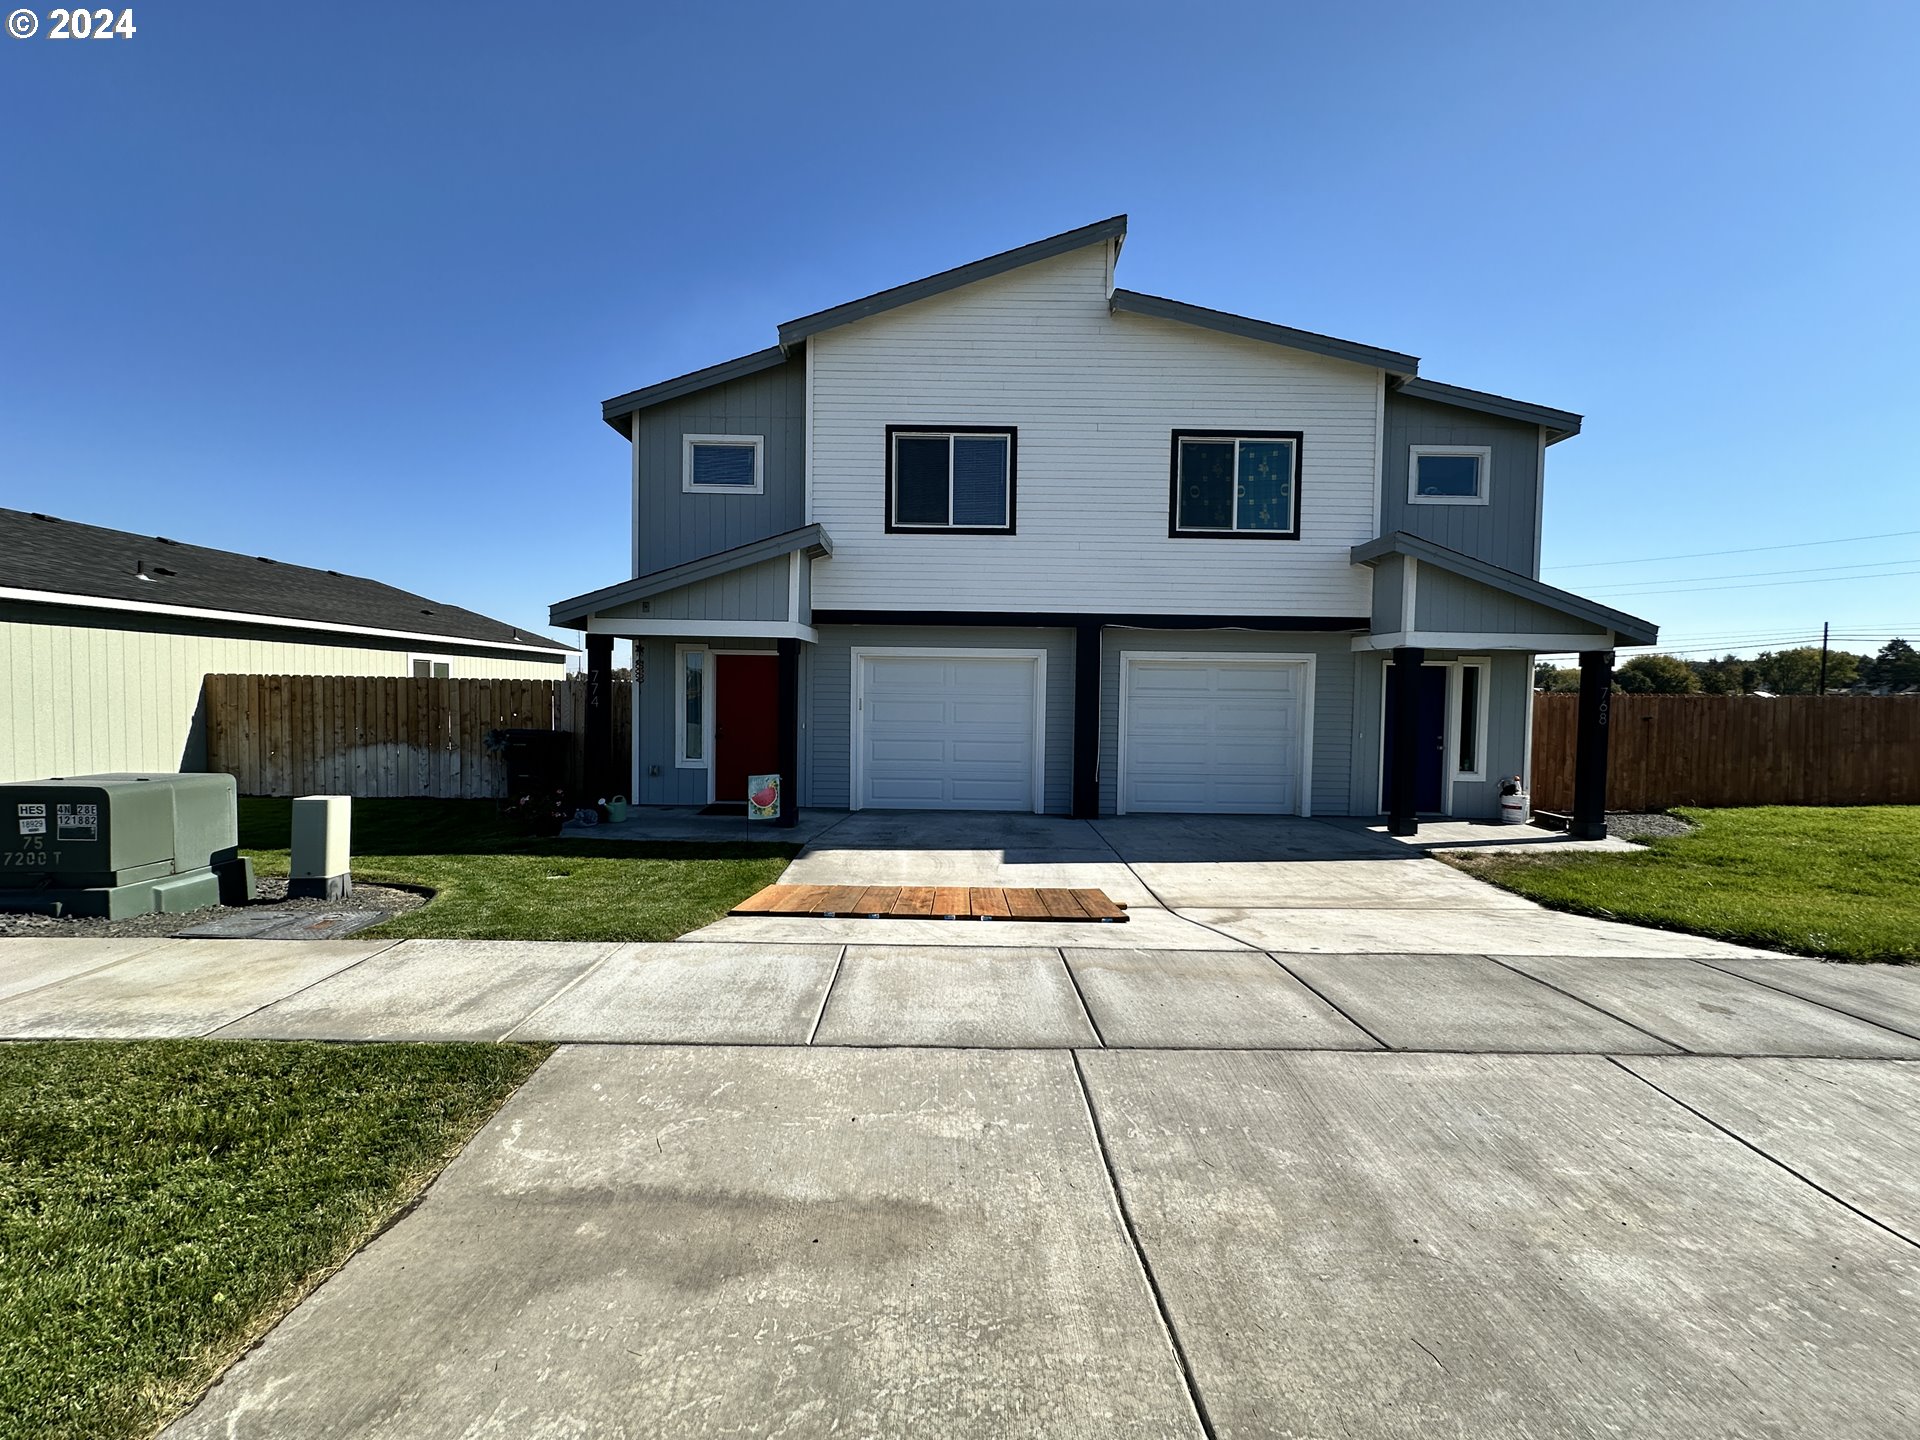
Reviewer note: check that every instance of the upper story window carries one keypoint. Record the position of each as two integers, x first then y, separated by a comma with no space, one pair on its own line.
724,464
1236,485
1449,474
958,479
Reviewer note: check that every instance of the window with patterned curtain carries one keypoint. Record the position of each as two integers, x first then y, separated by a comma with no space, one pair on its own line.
1227,485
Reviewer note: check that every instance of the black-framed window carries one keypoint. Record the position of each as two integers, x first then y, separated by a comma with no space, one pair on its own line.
1235,485
951,479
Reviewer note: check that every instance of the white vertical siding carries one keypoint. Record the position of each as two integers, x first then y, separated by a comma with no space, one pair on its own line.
85,699
1096,398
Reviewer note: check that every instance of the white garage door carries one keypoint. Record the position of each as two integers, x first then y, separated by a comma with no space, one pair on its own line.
947,732
1213,736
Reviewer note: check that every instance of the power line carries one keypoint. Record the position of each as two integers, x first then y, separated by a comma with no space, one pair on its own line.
1768,584
1746,550
1746,574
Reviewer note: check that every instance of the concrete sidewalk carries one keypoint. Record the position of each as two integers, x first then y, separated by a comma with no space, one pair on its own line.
693,1240
1006,997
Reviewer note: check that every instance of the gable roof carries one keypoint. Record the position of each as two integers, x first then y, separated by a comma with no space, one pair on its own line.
1131,302
1558,423
48,560
794,331
575,612
1630,629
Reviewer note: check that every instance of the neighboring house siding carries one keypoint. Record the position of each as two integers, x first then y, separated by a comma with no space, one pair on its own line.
1448,603
1332,691
670,526
759,592
1503,531
1095,398
827,739
93,693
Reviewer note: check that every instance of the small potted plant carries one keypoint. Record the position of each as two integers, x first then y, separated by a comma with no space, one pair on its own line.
538,812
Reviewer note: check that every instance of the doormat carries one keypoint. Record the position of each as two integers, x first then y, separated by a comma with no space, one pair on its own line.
928,902
725,807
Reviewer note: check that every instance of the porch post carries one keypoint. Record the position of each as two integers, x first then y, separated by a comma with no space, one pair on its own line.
787,704
599,767
1590,751
1403,773
1086,721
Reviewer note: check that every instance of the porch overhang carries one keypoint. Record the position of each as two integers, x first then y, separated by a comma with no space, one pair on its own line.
1434,598
779,605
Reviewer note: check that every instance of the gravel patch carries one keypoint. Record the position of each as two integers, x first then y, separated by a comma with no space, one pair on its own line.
390,900
1645,825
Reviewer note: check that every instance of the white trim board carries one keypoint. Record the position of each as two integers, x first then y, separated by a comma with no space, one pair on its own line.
1304,782
281,622
860,655
705,629
1484,640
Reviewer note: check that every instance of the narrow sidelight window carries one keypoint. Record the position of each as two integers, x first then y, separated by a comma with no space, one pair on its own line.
1469,727
959,479
691,713
1236,486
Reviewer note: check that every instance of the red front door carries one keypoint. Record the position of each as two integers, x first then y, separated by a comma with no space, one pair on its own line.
746,721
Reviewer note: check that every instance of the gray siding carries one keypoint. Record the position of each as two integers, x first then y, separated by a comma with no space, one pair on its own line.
1389,594
758,592
672,527
1509,699
1501,532
1453,604
1332,698
826,742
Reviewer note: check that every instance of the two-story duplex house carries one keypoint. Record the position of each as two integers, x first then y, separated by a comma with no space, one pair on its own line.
1013,538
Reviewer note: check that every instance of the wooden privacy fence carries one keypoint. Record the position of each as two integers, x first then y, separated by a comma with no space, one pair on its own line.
377,735
1737,750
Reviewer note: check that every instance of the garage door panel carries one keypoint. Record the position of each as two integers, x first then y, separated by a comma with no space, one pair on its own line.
948,732
1207,736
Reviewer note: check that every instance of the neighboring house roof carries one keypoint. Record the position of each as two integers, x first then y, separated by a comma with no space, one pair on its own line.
1402,369
1631,629
1558,423
573,613
52,561
1133,303
794,331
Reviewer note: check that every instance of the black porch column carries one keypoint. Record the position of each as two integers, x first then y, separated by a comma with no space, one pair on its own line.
1590,750
1403,769
1086,721
787,704
599,776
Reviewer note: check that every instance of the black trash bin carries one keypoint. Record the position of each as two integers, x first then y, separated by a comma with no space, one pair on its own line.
536,760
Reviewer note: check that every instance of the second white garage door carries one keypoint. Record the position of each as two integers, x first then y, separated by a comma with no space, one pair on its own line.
948,732
1213,735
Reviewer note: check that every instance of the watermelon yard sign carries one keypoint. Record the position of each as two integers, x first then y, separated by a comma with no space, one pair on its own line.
763,797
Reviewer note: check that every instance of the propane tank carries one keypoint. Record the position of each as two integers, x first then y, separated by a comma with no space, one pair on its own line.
1513,801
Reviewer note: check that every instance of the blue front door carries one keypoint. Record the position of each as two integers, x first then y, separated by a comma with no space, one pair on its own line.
1431,767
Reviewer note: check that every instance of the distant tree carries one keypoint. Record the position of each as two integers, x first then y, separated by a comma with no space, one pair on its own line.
1896,667
1559,678
1797,671
1729,675
1656,675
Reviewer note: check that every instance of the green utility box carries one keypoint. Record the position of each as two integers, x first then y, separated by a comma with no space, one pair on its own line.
120,845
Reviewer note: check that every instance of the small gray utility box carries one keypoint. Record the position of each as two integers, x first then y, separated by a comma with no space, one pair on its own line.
121,845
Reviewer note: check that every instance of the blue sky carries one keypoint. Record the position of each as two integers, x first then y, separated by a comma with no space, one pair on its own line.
345,284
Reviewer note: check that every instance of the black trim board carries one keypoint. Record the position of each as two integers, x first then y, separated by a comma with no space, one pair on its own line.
1292,532
1074,619
931,431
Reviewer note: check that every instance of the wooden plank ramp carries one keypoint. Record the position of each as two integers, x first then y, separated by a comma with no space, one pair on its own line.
944,902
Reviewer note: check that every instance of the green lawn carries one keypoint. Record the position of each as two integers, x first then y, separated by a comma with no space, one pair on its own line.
1843,883
492,882
163,1202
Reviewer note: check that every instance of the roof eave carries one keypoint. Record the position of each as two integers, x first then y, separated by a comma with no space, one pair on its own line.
795,331
617,410
572,613
1559,424
1159,307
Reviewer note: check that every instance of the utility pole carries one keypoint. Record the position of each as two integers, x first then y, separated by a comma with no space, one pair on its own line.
1825,627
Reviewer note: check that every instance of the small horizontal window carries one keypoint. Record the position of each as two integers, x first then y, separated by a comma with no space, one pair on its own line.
723,463
958,480
1448,474
1236,486
425,667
